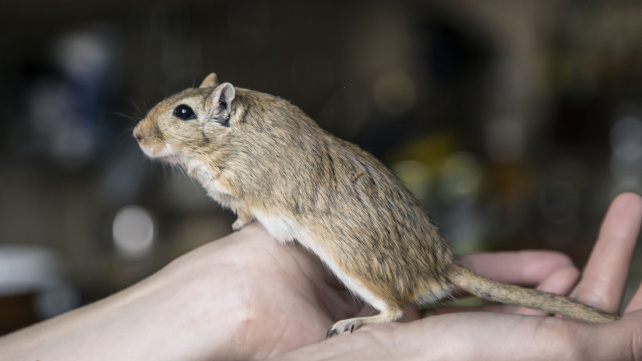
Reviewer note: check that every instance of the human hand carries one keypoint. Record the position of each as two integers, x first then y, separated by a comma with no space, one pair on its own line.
247,297
244,296
497,336
277,297
281,298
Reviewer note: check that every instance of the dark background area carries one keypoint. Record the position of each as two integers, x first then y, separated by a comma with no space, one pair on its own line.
514,122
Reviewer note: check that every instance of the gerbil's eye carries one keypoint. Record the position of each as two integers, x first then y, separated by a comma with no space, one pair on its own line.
184,112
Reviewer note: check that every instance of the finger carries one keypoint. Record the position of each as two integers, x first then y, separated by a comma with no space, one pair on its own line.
604,278
561,281
524,267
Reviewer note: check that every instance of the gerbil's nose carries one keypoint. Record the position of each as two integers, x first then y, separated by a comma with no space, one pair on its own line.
138,135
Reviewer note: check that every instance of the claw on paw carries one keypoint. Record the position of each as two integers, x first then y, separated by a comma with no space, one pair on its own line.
344,326
331,332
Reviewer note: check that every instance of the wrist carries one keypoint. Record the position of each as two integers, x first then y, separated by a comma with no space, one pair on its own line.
173,314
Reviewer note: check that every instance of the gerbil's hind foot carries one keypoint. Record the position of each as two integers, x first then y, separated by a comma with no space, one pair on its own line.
352,324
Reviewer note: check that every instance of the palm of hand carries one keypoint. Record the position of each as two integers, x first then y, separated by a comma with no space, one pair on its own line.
282,297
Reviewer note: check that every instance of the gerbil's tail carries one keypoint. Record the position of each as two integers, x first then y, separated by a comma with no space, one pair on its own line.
514,295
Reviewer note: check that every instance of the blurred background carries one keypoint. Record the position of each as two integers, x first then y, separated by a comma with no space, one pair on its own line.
514,122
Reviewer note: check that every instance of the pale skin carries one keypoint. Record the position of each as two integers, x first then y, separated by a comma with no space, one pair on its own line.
247,297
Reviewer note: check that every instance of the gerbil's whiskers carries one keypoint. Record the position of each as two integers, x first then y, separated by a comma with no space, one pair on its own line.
141,114
132,118
177,170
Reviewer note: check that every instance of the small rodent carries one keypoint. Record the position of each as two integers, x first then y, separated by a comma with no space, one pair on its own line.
264,159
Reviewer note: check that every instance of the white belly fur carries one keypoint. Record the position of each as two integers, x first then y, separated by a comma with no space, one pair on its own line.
285,229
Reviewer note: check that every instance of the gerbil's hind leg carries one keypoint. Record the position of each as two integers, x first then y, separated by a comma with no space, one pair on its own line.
352,324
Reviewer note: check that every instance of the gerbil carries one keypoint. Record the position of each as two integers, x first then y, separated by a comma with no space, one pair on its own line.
264,159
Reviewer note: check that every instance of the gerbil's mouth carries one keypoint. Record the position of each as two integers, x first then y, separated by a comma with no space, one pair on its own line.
165,154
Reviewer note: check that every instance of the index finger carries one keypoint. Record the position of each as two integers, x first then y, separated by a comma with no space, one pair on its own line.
603,280
522,267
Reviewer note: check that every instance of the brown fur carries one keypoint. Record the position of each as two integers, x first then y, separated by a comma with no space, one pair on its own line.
261,156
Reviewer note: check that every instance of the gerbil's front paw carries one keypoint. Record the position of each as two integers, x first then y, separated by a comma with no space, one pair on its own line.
344,326
240,223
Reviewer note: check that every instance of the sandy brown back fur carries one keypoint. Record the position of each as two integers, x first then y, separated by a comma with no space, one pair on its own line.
377,231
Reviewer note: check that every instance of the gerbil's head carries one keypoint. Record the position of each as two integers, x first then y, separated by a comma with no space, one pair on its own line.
188,123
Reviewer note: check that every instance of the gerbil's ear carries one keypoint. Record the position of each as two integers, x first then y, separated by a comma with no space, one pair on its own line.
222,103
209,81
